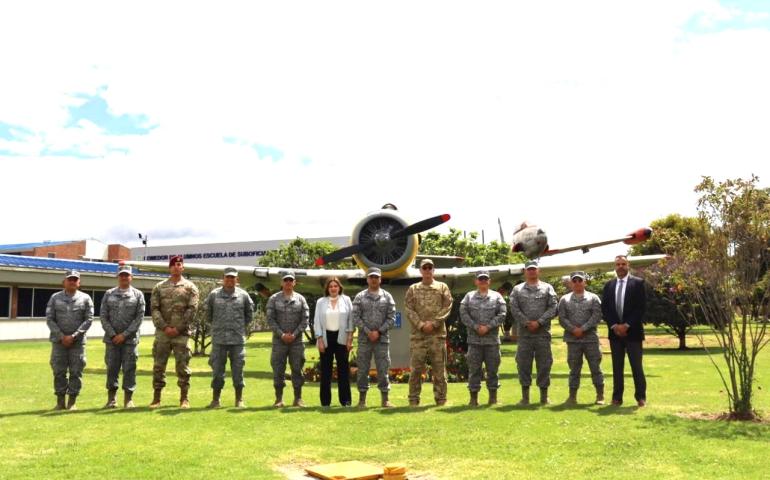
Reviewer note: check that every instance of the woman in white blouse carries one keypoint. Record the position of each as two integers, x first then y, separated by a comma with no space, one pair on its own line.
333,327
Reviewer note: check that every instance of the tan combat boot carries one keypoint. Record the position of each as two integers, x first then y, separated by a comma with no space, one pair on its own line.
474,399
239,398
492,397
71,403
184,402
362,399
385,402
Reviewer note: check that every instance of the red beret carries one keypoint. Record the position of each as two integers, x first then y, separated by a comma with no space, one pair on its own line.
174,259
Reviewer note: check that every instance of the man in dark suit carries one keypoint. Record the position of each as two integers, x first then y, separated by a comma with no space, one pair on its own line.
623,304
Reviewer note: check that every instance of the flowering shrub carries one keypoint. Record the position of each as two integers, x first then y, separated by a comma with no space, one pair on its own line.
456,366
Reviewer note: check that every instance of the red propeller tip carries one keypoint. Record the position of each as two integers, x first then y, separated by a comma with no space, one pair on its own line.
319,262
445,217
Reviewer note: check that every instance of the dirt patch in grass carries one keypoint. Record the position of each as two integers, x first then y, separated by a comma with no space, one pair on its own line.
296,471
722,417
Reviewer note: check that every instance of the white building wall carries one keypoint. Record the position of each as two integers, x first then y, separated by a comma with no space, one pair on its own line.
36,329
96,250
230,253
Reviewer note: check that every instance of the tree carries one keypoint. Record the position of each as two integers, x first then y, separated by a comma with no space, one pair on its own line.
729,281
301,253
468,247
667,304
200,328
475,254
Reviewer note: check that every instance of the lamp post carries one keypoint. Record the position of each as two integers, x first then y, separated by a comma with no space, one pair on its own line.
143,238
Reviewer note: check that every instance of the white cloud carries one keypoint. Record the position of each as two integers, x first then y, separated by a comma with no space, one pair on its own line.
588,119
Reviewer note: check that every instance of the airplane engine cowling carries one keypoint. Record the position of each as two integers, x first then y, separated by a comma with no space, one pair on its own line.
392,256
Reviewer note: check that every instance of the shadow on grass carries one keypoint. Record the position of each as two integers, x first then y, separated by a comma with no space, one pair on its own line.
626,373
716,429
258,374
42,412
404,409
173,411
566,407
616,410
56,413
696,351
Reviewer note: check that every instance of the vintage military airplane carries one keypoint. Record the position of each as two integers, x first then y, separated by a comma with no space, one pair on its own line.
384,239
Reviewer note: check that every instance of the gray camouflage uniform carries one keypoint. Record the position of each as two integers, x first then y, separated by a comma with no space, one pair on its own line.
68,315
534,303
476,310
583,311
229,314
287,315
373,311
122,312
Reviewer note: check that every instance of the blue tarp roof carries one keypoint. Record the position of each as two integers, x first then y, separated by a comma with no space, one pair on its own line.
20,247
62,265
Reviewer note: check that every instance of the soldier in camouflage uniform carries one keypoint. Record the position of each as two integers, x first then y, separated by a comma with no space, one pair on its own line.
428,304
374,313
533,305
287,316
482,312
579,313
121,314
230,310
68,314
174,302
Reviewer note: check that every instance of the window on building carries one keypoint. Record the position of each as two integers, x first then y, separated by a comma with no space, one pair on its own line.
51,254
5,302
24,303
41,297
147,306
97,297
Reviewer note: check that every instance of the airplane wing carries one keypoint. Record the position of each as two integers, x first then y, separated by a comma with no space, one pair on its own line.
462,279
441,261
311,280
264,279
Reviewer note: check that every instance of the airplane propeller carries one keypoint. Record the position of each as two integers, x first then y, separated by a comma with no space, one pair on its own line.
384,237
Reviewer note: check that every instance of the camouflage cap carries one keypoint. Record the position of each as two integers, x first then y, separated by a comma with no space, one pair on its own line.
482,274
373,272
288,274
231,272
71,274
531,264
125,269
426,261
577,274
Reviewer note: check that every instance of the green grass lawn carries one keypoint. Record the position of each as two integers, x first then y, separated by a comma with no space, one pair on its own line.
454,441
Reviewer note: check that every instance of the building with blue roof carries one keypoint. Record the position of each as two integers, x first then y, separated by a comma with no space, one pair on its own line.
27,282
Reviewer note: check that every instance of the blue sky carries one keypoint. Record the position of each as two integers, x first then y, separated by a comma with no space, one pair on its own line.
734,15
95,110
302,125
